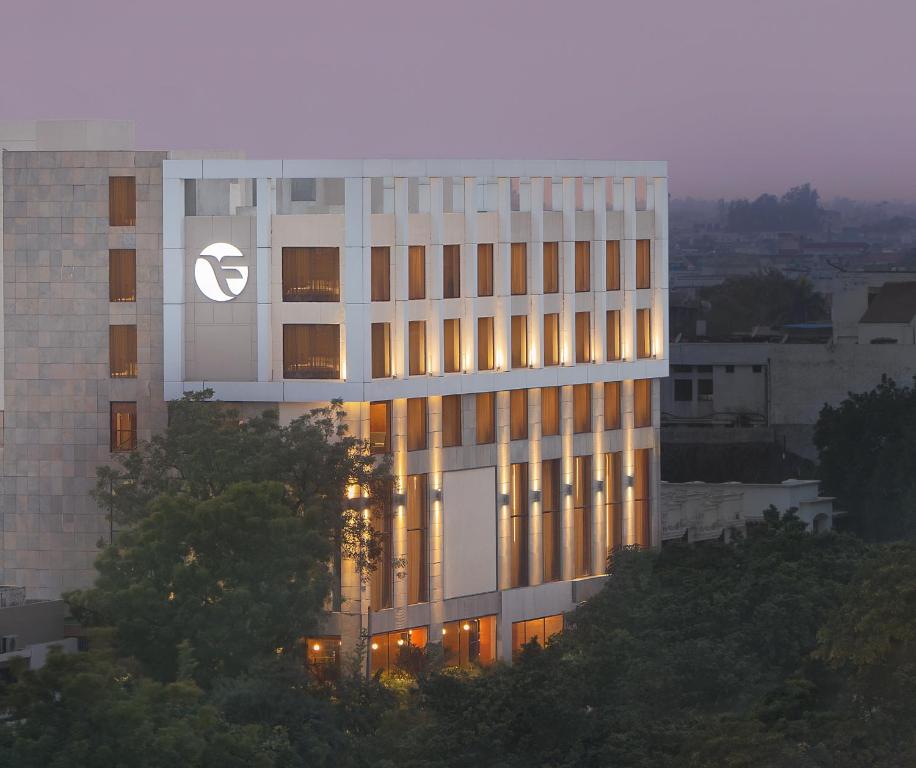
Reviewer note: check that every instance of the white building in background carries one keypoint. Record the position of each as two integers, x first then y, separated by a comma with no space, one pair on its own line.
498,327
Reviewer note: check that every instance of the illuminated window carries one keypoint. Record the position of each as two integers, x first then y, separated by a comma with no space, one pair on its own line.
323,656
519,341
381,579
518,414
518,522
416,423
485,344
311,274
451,421
643,264
613,334
552,517
469,642
643,333
583,337
535,631
612,410
381,350
122,201
582,408
122,274
550,411
582,515
642,403
641,469
552,339
583,266
122,351
123,427
416,343
397,651
416,272
486,417
612,260
451,346
417,534
485,269
381,273
519,282
380,426
311,351
451,271
551,267
613,489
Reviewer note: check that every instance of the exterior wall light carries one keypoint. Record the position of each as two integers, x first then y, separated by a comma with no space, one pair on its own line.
504,499
599,485
400,499
535,495
629,481
437,494
567,489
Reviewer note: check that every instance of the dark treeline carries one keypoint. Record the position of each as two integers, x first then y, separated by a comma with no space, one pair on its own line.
798,210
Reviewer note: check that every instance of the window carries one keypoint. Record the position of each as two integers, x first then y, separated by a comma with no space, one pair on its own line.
485,344
122,351
451,345
122,274
416,343
311,274
303,190
582,515
729,369
519,283
642,193
451,271
551,518
518,414
381,273
515,198
643,333
613,334
583,266
123,427
757,368
681,369
552,339
416,272
642,403
417,534
323,656
583,337
393,651
122,201
451,421
550,411
485,269
704,390
519,341
582,408
641,464
486,418
381,579
381,350
535,631
612,410
416,423
380,426
612,261
643,264
518,522
311,351
613,489
469,642
704,369
683,390
551,267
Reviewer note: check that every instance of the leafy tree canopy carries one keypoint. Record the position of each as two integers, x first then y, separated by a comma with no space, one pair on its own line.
798,210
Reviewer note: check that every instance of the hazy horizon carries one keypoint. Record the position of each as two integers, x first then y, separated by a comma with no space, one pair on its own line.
739,97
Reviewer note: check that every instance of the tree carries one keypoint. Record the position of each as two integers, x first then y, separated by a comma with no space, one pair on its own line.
867,459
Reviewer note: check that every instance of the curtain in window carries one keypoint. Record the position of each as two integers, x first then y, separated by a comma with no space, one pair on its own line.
582,515
613,334
583,266
643,264
311,274
518,414
122,274
380,426
485,269
550,411
381,579
641,468
583,337
123,426
416,342
519,281
613,489
416,272
381,350
519,341
485,344
122,351
612,255
452,345
643,333
486,417
551,339
642,403
551,523
518,519
451,271
551,267
417,534
381,273
451,421
416,423
122,201
311,351
582,408
612,405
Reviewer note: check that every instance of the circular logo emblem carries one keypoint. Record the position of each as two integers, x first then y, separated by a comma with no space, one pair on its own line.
218,273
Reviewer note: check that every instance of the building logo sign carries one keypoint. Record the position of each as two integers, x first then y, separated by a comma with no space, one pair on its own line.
218,273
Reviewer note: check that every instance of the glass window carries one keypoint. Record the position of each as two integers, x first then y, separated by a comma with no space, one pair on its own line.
123,427
485,344
519,341
311,351
397,651
311,274
518,414
612,410
380,426
613,334
381,350
323,656
582,408
416,272
643,333
643,264
416,342
583,266
486,417
552,518
550,411
416,423
612,257
535,631
518,521
613,489
519,269
641,468
551,267
417,534
642,193
551,339
122,274
122,351
582,515
451,421
642,403
451,271
381,273
303,190
122,201
583,337
485,269
704,390
469,642
683,390
381,579
451,347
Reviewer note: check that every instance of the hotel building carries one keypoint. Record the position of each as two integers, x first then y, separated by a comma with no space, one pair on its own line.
499,327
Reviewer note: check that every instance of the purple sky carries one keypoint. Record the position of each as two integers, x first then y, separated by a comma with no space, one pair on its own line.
740,96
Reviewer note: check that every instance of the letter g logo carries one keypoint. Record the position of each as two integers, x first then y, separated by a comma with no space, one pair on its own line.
218,281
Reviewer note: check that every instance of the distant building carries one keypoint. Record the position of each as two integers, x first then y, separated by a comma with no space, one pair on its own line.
706,511
30,629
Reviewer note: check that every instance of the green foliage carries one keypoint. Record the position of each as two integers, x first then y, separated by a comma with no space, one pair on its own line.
768,298
868,459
